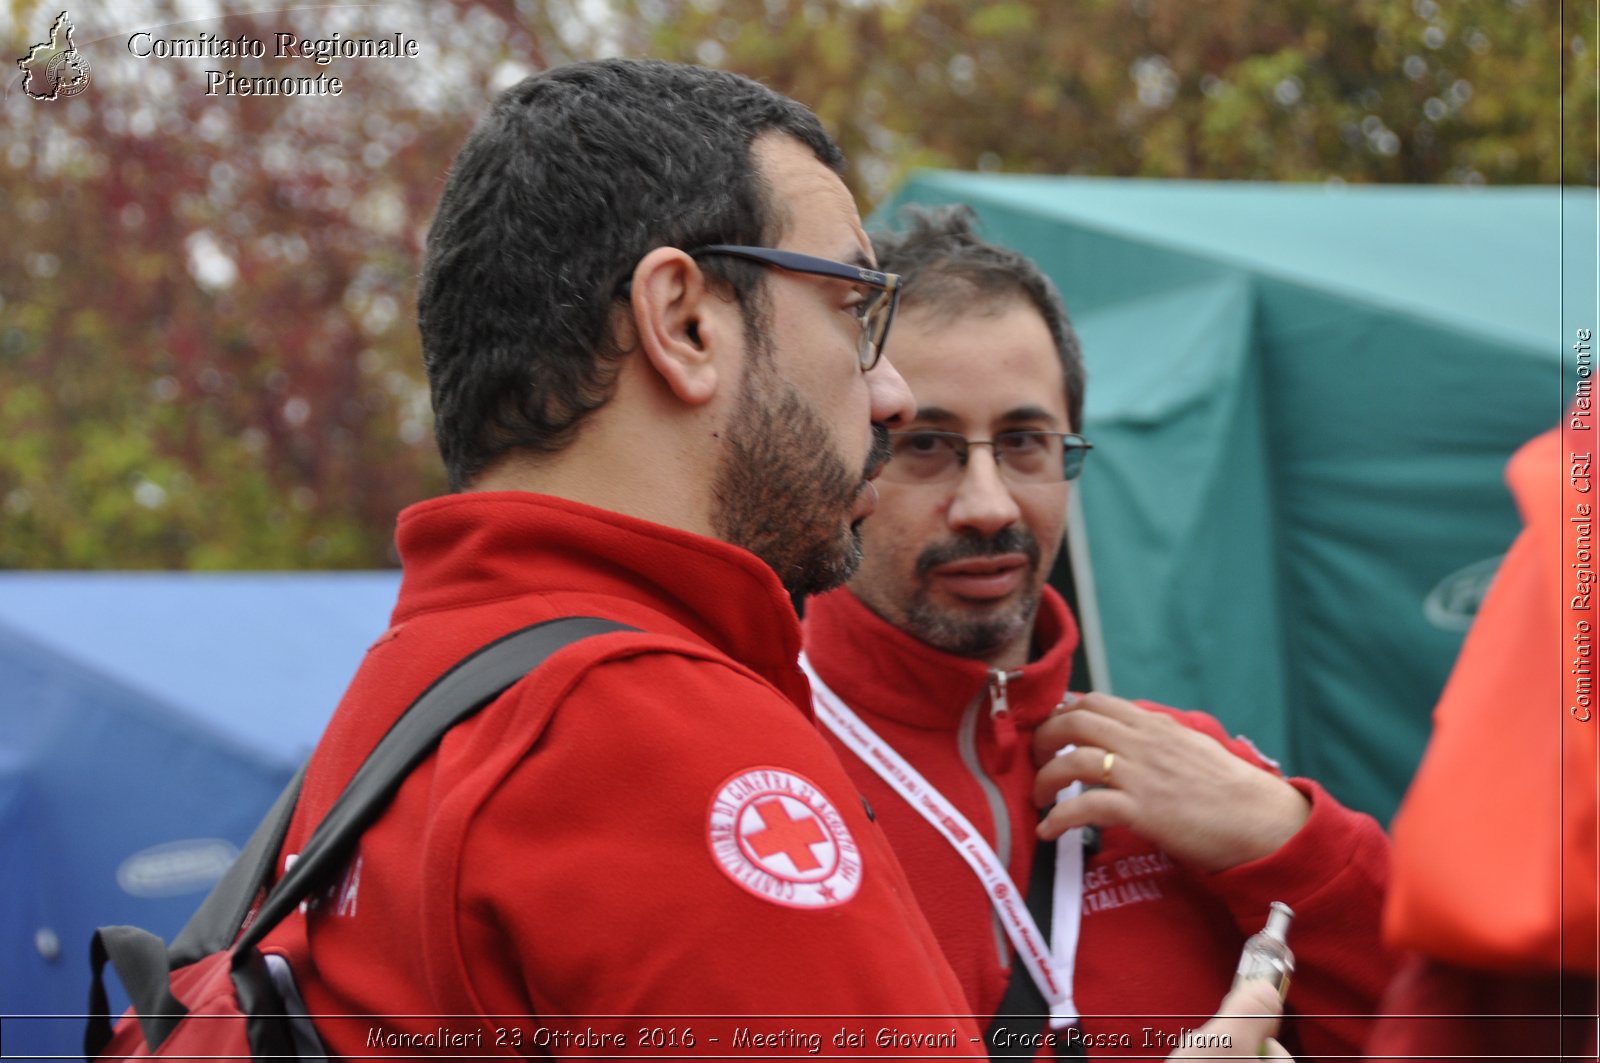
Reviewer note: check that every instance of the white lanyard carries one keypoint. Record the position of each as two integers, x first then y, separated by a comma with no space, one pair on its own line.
1050,965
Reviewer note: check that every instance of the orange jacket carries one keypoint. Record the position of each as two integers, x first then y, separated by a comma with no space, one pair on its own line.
1494,862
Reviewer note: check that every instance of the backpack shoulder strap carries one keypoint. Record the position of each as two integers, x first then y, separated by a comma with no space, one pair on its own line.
456,695
467,687
216,922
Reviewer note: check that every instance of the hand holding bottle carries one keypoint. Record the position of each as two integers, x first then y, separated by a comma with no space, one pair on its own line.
1248,1017
1266,955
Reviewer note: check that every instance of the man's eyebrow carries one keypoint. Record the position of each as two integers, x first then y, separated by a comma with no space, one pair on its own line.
1015,415
936,415
858,257
1028,413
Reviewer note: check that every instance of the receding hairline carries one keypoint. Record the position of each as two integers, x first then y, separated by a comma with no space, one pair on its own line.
946,297
781,213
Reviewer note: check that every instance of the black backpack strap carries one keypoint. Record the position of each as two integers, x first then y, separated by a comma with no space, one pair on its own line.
216,923
144,964
141,962
453,697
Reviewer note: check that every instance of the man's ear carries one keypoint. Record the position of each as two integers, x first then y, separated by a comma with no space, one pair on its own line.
679,322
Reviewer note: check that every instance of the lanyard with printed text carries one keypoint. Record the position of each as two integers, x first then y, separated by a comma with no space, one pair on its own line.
1050,965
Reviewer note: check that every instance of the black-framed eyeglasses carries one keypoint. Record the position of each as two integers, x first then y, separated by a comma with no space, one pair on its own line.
1024,456
876,309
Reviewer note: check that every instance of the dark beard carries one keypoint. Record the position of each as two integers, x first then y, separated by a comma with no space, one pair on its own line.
974,635
782,492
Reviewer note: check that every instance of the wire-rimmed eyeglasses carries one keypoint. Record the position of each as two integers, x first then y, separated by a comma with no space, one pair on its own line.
1024,456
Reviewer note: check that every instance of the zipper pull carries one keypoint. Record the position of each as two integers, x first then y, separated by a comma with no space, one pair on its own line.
998,704
1005,730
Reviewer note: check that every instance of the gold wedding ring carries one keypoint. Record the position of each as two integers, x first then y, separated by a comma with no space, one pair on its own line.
1106,765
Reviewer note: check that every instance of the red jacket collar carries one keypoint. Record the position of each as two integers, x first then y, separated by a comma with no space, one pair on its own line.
483,546
873,665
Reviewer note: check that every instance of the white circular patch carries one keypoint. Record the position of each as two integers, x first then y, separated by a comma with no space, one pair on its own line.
777,835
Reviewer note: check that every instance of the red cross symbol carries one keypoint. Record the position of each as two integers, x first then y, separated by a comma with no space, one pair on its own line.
791,837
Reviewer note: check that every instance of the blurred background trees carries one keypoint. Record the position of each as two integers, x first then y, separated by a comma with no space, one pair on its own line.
207,349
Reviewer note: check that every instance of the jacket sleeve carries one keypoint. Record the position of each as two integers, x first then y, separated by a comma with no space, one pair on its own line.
1332,873
679,856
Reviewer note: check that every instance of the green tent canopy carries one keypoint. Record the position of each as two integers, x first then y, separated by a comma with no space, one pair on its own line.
1302,399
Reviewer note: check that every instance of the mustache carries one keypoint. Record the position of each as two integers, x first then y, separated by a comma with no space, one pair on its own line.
880,453
1015,539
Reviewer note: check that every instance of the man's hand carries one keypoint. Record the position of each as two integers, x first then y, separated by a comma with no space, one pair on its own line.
1178,789
1243,1027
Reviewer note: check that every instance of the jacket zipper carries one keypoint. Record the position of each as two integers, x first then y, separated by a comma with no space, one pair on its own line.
967,744
1005,728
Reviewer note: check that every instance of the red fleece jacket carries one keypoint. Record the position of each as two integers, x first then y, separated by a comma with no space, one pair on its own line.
646,835
1159,940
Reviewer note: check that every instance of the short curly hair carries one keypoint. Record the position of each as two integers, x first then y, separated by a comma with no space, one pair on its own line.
950,270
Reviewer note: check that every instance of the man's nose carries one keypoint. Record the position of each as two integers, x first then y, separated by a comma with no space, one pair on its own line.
890,396
983,501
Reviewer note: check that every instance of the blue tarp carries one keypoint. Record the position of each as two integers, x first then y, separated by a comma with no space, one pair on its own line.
147,721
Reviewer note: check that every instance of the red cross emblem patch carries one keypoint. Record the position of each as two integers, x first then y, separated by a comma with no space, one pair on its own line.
777,835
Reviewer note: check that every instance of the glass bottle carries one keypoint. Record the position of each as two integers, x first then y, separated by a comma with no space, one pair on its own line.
1266,955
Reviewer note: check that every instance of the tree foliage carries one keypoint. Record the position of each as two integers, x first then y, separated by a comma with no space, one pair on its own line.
206,343
207,356
1428,91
